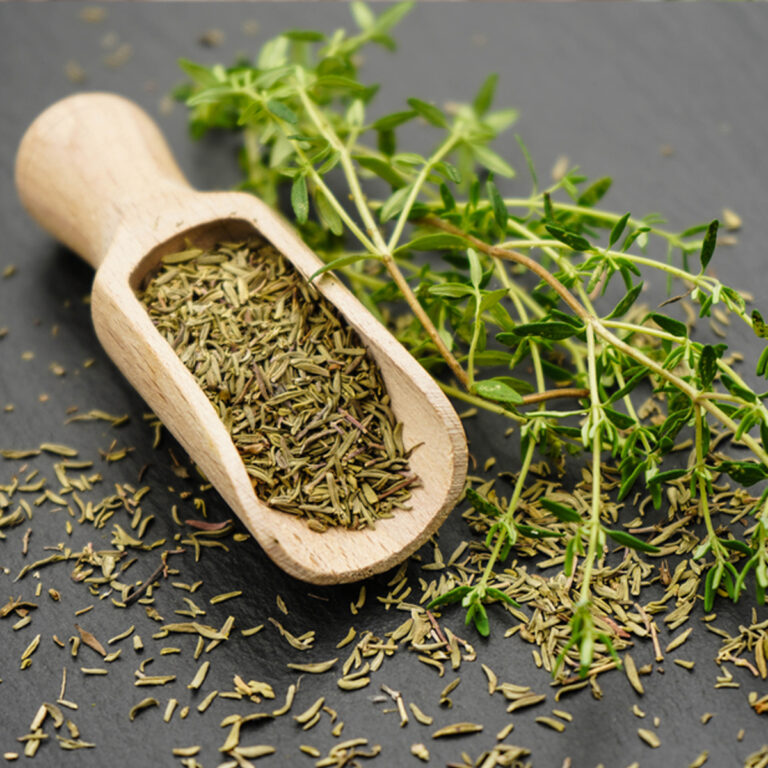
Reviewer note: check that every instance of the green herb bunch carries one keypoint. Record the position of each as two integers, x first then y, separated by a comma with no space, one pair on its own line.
511,281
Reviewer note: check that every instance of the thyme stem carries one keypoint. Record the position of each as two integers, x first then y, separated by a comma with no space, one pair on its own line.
379,247
507,518
596,426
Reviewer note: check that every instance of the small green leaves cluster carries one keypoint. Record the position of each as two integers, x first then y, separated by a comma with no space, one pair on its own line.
511,283
584,636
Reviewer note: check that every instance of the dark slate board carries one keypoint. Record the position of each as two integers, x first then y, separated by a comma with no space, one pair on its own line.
608,85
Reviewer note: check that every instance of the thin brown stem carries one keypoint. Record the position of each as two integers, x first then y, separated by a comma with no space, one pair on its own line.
425,320
520,258
551,394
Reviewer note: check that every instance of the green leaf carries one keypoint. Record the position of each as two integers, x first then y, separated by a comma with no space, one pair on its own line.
709,243
634,235
628,483
618,419
497,594
209,95
709,589
339,81
269,77
409,158
707,365
498,357
517,384
553,330
200,74
762,363
450,171
569,555
394,203
387,142
304,35
451,290
503,532
736,546
618,229
392,16
280,110
475,268
744,472
274,53
628,540
481,504
452,596
758,325
556,373
737,389
300,199
280,152
500,212
557,315
251,114
492,161
491,298
496,390
666,476
449,202
549,212
484,98
362,14
500,119
341,261
571,239
328,214
429,112
537,532
436,242
474,193
560,511
626,303
382,169
478,615
388,122
595,192
669,324
694,230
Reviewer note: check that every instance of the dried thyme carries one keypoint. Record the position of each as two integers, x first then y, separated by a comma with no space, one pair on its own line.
305,404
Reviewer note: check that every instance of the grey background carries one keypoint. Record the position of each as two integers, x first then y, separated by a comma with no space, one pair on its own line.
607,85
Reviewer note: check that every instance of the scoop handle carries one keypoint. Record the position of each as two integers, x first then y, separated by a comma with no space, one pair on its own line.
91,162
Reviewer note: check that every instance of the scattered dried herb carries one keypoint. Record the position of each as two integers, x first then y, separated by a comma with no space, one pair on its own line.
576,623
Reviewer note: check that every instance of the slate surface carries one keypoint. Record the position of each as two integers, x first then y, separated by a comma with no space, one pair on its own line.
608,85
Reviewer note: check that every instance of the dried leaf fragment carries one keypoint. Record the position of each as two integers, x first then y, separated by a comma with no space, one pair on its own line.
90,640
649,737
142,705
314,669
457,729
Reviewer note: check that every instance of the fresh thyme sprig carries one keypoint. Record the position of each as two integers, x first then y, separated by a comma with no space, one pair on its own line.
302,108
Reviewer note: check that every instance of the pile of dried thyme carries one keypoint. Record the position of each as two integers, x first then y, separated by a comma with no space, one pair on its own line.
304,402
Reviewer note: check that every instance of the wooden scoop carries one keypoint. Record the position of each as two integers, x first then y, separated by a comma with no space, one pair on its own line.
95,172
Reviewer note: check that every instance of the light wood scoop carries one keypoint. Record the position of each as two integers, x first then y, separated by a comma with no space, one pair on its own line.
95,172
